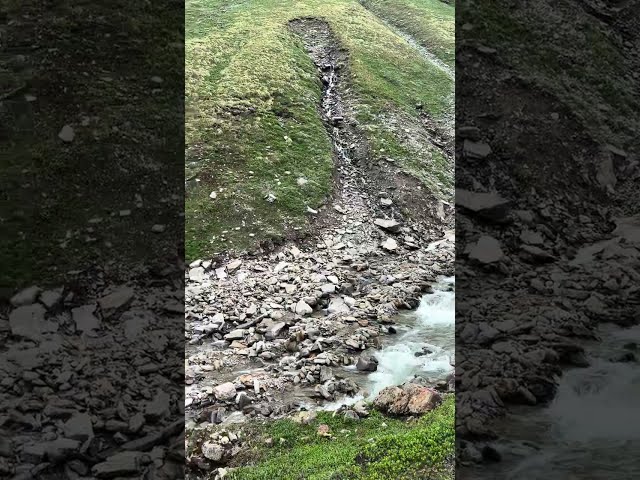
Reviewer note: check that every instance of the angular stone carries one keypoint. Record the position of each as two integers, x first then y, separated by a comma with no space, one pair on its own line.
26,296
197,274
79,427
303,309
338,305
237,334
389,225
225,392
490,206
118,465
29,322
116,301
389,244
84,318
51,298
486,250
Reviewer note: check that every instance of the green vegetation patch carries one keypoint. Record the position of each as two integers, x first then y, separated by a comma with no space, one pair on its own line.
569,54
430,22
371,448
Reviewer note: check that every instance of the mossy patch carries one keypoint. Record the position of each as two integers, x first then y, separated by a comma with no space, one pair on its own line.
372,448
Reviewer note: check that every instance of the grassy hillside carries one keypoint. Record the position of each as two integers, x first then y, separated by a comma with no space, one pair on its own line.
567,51
252,125
430,22
373,448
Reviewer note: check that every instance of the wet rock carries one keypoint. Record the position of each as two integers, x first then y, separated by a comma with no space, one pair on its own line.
367,364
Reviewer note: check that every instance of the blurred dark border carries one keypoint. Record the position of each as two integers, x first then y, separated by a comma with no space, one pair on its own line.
547,237
91,240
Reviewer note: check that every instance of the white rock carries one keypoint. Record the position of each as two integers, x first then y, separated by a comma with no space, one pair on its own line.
225,391
212,451
486,250
26,296
85,319
390,244
67,134
234,265
197,274
303,309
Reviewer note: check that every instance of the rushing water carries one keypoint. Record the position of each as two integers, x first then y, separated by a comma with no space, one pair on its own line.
589,431
430,326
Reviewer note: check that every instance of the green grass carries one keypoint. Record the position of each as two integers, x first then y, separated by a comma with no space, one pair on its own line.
429,22
252,124
128,138
373,448
567,53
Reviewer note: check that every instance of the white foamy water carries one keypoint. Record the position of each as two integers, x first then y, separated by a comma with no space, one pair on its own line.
431,326
589,431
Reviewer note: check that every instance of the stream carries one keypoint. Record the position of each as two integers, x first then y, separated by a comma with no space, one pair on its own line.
424,345
588,431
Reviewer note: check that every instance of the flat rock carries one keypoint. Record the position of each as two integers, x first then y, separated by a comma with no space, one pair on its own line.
486,250
26,296
237,334
29,322
84,318
118,465
476,150
489,205
234,265
116,301
388,225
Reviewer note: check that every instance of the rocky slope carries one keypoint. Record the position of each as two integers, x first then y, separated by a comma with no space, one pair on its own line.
546,223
